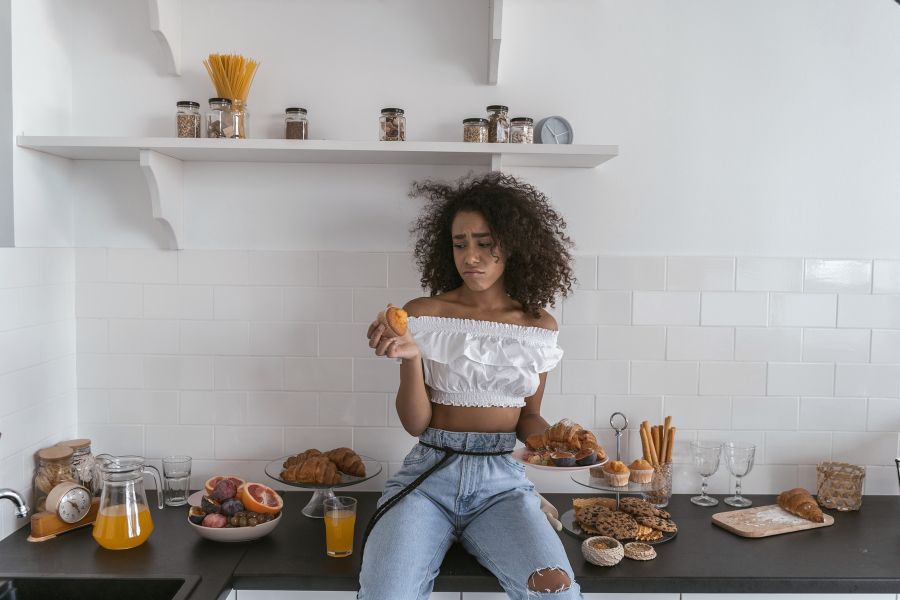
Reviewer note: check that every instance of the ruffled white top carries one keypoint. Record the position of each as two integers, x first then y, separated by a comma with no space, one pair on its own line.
483,363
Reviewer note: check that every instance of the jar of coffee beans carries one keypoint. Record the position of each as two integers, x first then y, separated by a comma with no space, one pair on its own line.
475,130
218,118
393,125
521,130
187,119
296,127
498,124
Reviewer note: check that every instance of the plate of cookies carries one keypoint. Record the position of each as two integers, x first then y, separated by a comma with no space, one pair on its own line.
565,446
629,519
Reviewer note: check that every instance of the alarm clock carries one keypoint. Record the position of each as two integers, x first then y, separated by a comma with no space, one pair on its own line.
553,130
69,506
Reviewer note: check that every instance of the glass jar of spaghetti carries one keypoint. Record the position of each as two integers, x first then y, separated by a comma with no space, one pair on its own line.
393,125
240,119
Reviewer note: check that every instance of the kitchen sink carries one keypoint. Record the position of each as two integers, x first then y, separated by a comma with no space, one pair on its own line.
31,587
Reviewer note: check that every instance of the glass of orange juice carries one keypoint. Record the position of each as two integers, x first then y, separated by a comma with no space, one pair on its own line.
340,521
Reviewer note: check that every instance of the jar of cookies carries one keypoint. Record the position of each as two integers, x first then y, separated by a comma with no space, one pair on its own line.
54,467
521,130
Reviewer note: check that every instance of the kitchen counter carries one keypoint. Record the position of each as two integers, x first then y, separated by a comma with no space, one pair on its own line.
859,553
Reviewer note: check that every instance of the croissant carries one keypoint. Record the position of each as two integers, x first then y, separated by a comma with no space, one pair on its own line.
564,435
315,469
800,502
347,461
299,458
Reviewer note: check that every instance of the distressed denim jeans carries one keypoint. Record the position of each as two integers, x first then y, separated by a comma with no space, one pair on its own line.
484,502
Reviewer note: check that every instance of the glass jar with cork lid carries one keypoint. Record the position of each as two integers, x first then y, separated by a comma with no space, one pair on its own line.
82,462
54,467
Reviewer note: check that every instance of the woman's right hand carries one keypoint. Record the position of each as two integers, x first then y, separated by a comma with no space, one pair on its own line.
401,346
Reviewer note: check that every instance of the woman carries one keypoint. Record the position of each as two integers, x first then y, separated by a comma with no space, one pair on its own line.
475,359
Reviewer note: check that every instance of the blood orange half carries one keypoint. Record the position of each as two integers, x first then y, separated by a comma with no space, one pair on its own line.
210,484
257,497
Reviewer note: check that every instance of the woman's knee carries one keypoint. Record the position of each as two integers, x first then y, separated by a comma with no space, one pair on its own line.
549,580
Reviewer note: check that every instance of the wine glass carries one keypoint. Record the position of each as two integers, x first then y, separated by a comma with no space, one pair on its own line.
739,458
706,459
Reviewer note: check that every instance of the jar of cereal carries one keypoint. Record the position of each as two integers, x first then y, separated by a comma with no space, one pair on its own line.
475,130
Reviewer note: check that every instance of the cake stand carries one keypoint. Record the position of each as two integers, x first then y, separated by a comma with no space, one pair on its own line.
315,508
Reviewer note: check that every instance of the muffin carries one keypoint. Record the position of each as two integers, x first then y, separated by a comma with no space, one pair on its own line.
616,473
641,471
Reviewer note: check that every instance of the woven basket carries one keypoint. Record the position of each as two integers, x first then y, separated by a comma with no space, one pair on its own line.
639,551
605,558
840,485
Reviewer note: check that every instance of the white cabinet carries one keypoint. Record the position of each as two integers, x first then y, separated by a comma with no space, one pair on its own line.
788,596
297,595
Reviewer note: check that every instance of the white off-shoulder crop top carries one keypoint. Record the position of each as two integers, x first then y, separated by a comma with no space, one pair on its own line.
483,363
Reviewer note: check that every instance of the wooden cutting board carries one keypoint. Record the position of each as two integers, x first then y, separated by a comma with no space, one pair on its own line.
763,521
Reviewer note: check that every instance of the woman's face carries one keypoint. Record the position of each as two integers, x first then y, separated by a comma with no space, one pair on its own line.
478,259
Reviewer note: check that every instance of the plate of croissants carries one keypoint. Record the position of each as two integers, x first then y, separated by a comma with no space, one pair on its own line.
564,446
316,469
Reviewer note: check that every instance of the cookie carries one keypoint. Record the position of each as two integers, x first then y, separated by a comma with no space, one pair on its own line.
648,534
657,523
613,523
637,506
594,501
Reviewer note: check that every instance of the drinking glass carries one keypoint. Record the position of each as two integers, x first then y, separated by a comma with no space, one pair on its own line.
176,479
340,521
706,459
739,458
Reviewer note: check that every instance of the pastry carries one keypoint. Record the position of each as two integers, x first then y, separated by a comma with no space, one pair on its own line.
616,473
641,471
800,502
298,458
315,469
657,523
394,320
566,436
347,461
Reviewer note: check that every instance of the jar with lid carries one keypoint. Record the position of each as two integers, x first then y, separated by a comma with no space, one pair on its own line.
498,124
393,125
475,130
521,130
218,118
82,462
54,467
187,119
296,126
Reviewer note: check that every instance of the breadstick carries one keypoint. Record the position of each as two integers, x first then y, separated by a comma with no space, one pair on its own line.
671,444
656,443
644,445
665,434
654,456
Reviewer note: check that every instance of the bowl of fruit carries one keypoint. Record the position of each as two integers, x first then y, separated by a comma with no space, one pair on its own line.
230,509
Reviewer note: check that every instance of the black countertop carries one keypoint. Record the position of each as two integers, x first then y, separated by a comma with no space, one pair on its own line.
859,553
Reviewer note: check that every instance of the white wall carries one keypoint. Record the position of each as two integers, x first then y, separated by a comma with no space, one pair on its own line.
746,131
6,129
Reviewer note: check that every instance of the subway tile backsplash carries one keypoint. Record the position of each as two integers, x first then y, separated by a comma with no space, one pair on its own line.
237,357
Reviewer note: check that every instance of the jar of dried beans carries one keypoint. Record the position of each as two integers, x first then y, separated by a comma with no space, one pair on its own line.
54,467
498,124
296,127
187,119
218,118
475,130
393,125
521,130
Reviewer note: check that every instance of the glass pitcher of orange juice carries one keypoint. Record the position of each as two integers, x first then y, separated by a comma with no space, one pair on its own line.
123,520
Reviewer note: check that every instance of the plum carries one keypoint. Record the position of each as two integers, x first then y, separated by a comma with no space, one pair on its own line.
224,490
231,507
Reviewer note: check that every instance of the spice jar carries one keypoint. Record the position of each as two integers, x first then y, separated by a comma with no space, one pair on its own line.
218,118
54,467
475,130
498,124
82,462
393,125
521,130
296,127
187,119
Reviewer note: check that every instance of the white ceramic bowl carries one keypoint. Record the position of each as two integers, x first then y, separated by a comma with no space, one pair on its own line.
235,534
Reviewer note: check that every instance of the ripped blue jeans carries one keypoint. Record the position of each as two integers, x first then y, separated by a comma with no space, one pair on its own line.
484,502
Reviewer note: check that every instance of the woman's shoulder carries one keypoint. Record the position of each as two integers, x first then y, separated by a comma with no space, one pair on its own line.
425,306
545,321
444,306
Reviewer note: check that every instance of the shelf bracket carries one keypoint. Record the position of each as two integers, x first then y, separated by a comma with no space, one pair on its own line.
165,180
165,22
496,31
496,162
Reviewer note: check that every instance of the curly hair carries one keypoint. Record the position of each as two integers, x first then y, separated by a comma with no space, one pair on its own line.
524,225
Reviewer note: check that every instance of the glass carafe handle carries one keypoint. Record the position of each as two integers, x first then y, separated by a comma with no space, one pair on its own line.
151,470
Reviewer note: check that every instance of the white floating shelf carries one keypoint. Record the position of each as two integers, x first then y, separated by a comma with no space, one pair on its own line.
161,159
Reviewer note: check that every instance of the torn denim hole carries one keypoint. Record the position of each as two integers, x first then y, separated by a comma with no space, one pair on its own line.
539,573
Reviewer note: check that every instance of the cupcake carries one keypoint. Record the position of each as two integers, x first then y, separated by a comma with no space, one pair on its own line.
616,473
641,471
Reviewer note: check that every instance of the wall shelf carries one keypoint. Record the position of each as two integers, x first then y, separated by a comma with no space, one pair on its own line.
496,31
161,159
165,22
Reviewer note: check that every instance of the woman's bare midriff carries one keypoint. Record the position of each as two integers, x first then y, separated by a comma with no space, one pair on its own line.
474,418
